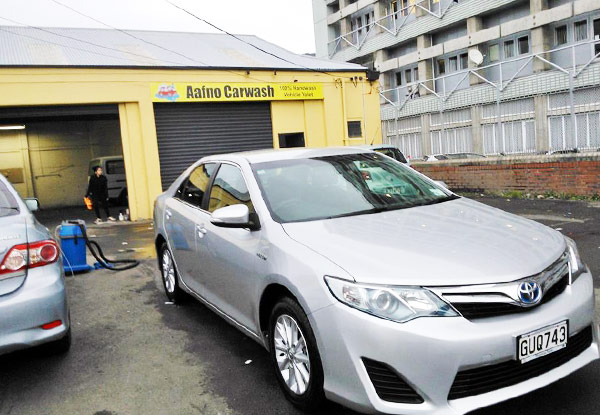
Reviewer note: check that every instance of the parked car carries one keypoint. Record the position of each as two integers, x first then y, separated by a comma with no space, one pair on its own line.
388,150
300,250
114,170
33,300
452,156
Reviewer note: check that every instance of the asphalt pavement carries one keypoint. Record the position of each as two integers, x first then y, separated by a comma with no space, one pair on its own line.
134,353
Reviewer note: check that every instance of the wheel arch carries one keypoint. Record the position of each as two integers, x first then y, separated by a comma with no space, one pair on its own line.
270,296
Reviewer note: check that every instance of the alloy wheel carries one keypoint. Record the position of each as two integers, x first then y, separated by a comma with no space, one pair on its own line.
168,271
291,352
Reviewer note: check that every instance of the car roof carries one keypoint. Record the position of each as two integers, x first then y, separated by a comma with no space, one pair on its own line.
376,146
261,156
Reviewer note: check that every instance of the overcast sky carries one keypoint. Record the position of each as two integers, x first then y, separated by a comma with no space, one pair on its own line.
287,23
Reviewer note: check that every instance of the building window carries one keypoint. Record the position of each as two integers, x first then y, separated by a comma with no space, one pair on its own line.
597,36
524,45
464,61
405,9
581,31
441,64
561,34
398,78
452,64
509,49
354,129
408,76
494,52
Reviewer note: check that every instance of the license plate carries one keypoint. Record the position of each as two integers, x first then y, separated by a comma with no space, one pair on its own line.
542,342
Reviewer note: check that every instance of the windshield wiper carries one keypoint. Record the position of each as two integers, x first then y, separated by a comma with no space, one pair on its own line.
9,207
358,212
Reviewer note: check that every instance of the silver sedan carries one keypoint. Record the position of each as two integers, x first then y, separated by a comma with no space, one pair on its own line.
33,299
373,286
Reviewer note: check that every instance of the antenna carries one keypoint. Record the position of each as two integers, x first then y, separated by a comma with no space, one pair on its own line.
476,57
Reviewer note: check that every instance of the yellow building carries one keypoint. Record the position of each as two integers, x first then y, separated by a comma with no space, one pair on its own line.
163,102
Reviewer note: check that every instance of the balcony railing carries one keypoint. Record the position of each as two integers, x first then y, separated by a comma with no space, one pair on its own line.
391,23
500,75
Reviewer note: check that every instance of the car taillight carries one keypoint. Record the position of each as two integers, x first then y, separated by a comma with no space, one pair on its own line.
31,255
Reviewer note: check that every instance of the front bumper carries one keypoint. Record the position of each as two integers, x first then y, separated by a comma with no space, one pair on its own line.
40,300
428,352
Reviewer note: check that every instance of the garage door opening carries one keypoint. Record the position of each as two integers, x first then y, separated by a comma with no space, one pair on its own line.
52,156
187,132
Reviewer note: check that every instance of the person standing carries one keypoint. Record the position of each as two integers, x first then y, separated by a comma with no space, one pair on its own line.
98,192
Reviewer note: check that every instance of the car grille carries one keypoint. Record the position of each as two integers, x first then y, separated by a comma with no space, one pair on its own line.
489,378
556,277
388,385
481,310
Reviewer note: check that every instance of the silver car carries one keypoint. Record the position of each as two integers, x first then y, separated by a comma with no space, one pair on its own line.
373,286
33,301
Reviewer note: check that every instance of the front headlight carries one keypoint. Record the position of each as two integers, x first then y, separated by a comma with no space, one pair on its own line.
399,304
576,267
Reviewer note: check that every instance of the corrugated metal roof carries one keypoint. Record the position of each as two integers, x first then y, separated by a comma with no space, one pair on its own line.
28,46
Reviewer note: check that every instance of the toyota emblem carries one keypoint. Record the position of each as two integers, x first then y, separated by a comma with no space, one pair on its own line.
530,293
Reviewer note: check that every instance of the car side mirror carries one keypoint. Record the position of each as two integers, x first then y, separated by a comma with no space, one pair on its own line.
235,216
32,204
441,183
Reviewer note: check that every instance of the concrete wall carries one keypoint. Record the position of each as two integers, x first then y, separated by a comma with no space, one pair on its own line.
568,174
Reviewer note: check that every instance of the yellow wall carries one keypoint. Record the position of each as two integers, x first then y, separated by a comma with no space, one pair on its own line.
323,121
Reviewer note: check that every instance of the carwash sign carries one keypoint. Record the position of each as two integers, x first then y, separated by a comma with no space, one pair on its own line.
224,91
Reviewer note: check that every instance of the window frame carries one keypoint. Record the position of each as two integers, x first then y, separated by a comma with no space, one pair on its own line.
184,183
556,28
512,48
575,31
497,45
206,198
519,51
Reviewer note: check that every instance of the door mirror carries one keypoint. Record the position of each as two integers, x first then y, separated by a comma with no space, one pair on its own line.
441,183
235,216
32,204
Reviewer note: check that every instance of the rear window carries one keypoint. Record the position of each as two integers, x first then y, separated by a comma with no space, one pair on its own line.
8,203
115,167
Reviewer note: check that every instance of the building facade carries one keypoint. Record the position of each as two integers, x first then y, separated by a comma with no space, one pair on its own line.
162,100
494,77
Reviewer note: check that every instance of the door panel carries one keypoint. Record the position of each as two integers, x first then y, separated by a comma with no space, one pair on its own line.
228,256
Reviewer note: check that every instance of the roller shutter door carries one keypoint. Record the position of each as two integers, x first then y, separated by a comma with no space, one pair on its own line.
187,132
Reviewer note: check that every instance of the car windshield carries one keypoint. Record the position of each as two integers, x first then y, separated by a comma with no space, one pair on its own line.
8,204
342,185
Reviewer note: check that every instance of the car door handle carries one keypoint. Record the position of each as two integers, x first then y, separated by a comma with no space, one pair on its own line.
201,231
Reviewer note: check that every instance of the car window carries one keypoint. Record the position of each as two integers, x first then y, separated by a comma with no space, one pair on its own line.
193,188
342,185
229,188
115,167
8,203
393,153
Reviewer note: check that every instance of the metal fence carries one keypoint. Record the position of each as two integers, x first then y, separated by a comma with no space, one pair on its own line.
530,104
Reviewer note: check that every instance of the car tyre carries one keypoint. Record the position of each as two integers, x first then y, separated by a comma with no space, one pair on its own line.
169,276
294,360
60,346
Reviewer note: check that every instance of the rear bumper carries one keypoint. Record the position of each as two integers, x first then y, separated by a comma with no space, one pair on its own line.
428,352
41,299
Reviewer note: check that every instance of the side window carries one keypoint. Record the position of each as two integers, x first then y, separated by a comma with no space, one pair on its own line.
192,190
115,167
229,188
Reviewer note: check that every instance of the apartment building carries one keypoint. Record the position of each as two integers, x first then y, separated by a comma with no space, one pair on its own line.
485,76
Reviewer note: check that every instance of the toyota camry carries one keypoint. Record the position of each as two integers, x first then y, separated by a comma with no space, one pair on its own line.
372,285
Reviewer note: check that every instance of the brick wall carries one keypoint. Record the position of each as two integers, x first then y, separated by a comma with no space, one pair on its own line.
573,174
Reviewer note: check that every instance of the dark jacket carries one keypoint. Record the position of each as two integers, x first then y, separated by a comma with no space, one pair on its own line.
98,187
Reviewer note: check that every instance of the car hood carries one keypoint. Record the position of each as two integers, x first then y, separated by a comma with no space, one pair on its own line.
459,242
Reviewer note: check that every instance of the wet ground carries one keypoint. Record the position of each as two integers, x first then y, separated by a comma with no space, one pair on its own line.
133,353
